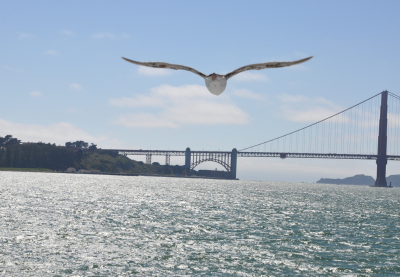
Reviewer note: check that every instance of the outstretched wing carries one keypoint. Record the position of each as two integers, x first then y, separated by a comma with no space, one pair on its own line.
258,66
166,65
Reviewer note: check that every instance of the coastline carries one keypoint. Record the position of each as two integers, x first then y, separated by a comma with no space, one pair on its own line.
44,170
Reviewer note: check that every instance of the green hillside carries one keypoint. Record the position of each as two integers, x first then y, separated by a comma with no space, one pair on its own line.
112,162
15,155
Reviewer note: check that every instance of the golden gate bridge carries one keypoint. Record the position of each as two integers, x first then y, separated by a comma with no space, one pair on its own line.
369,130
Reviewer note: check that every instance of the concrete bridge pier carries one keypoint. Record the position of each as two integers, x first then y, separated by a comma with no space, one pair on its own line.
233,163
381,160
381,172
188,155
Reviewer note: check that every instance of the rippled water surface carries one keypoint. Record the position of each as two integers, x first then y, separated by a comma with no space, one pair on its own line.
93,225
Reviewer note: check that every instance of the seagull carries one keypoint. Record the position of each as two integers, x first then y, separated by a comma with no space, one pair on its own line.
216,83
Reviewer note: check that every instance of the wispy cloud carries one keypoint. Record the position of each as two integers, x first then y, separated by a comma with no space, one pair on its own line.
58,133
178,106
138,101
108,35
245,93
52,53
307,115
12,69
250,77
36,94
293,98
104,35
145,120
299,108
153,71
75,86
68,33
25,35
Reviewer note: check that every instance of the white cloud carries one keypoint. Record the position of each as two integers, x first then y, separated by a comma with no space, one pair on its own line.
178,106
12,69
245,93
52,53
250,77
68,33
75,86
36,94
25,35
311,115
138,101
293,98
153,71
300,108
58,133
145,120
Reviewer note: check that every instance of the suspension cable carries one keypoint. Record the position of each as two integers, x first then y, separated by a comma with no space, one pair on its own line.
313,123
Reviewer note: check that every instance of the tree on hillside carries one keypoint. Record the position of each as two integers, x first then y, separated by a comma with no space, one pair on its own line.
80,144
93,146
69,145
8,140
37,155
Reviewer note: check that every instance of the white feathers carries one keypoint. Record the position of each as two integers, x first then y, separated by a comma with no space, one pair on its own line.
216,86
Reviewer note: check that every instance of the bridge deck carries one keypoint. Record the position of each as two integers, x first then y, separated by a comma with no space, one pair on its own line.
256,154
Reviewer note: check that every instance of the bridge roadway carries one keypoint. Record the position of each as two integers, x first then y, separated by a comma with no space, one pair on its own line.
254,154
228,159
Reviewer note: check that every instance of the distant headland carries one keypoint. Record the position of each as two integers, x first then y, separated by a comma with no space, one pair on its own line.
360,179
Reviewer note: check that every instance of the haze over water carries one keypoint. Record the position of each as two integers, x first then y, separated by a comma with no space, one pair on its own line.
91,225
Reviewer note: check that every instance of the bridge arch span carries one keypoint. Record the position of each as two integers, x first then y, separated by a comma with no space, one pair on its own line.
216,160
221,157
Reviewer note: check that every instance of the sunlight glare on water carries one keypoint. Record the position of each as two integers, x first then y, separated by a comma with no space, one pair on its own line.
83,225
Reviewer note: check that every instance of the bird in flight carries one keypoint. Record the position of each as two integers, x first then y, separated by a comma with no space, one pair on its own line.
216,83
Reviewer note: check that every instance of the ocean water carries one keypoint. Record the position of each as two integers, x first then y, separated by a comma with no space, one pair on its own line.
93,225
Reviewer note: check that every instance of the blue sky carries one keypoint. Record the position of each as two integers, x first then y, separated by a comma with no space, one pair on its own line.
62,77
